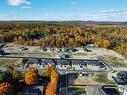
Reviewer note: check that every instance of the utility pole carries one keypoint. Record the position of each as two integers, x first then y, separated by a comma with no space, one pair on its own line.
66,83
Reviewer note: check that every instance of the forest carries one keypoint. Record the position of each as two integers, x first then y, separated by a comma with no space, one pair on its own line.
52,34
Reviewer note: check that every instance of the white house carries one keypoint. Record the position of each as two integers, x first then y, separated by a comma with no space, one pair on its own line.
123,89
125,92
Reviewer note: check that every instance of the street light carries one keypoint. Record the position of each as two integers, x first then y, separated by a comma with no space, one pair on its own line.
66,83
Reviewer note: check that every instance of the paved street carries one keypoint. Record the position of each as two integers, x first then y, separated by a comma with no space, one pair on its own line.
94,90
91,90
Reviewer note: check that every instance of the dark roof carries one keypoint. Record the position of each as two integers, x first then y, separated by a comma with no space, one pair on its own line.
48,61
63,61
97,62
78,62
32,61
119,81
124,73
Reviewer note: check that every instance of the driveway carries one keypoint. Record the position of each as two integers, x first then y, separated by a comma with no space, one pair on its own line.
94,90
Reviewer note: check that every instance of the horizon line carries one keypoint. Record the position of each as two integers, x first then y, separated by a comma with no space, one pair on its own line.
62,20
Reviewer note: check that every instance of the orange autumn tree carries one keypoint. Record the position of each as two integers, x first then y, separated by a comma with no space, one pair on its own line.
51,89
54,76
49,70
6,89
31,77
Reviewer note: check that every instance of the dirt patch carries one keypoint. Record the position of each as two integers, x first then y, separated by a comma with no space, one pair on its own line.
84,81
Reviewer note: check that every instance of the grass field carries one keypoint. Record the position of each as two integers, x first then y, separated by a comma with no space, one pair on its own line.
9,62
77,90
114,61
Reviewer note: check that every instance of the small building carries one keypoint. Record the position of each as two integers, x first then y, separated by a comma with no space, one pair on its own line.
90,45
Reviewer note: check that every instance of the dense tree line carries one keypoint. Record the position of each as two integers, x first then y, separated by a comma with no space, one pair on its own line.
65,35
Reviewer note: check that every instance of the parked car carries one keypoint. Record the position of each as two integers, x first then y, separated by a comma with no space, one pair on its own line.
24,49
74,49
87,50
83,74
2,52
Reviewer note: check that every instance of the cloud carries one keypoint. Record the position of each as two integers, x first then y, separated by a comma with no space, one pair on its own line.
100,15
112,11
108,15
74,2
26,7
18,2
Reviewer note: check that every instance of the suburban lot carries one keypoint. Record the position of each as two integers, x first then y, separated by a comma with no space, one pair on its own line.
12,48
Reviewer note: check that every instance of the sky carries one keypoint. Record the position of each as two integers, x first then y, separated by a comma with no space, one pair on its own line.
64,10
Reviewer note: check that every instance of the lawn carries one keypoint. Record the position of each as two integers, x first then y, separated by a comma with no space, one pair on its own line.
77,90
9,62
102,78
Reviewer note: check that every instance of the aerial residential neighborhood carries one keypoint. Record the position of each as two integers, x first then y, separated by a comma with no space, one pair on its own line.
84,70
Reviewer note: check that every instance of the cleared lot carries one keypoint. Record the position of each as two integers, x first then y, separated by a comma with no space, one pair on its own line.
115,62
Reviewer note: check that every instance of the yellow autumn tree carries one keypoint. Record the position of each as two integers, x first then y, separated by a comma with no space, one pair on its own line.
106,43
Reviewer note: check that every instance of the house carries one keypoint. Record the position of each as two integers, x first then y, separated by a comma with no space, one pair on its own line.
125,92
122,75
122,89
65,55
121,78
